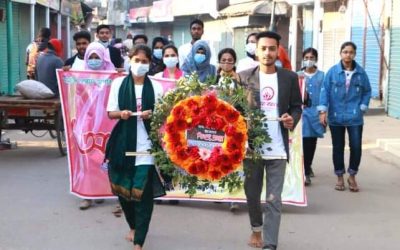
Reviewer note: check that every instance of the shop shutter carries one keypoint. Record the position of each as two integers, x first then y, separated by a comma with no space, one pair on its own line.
394,73
358,30
333,36
308,28
372,47
3,48
24,38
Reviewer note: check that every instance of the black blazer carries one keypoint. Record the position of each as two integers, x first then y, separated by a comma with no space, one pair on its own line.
70,61
116,59
289,97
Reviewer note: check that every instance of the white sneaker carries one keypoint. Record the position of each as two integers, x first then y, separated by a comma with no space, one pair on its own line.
85,204
234,207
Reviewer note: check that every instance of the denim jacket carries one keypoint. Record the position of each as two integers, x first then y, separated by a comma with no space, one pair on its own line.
345,108
313,85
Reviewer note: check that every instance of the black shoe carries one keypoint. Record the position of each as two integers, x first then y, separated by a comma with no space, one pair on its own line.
307,181
312,173
269,247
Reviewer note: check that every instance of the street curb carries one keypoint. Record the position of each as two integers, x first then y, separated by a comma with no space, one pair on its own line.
390,145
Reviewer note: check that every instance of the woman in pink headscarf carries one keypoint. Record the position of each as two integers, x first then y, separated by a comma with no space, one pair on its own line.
97,57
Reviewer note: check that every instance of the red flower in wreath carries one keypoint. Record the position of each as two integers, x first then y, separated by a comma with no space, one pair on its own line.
236,156
210,101
179,112
180,124
215,114
222,109
193,152
232,116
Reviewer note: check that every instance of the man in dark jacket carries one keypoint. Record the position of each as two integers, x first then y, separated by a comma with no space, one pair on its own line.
82,40
275,91
103,33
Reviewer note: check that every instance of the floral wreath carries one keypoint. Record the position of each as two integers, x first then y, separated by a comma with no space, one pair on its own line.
212,113
177,111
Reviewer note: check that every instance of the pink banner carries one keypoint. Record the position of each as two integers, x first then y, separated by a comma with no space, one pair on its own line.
84,97
167,84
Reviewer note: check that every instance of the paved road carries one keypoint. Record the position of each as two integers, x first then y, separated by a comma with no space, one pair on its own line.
37,212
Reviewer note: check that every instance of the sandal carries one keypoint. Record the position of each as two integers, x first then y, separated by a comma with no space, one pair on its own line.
340,187
353,186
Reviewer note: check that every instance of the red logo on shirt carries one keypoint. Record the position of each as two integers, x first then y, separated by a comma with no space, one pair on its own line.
138,104
268,93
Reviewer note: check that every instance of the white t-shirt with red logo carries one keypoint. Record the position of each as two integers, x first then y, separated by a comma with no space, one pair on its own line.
349,74
269,104
143,143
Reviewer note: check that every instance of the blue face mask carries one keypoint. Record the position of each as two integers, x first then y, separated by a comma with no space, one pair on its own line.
278,63
95,63
157,53
199,58
170,62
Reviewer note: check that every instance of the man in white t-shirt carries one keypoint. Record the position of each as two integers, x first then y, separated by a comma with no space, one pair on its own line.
82,41
196,31
276,92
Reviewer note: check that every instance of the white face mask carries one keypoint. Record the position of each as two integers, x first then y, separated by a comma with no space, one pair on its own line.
105,44
309,63
251,48
170,62
139,69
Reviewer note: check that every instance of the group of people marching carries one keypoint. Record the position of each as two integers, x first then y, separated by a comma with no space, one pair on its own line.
338,98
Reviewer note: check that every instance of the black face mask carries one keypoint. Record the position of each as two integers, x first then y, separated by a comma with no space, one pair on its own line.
250,55
42,45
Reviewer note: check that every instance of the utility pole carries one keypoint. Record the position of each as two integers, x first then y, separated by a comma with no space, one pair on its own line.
271,24
316,23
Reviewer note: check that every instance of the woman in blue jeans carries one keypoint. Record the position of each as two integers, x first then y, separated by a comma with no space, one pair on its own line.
344,99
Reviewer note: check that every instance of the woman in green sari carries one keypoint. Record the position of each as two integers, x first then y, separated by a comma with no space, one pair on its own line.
134,179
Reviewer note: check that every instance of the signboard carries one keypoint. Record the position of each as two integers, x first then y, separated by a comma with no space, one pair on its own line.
24,1
193,7
53,4
139,15
204,138
161,11
66,7
76,13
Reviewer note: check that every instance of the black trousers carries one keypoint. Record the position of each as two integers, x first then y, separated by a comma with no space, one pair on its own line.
309,146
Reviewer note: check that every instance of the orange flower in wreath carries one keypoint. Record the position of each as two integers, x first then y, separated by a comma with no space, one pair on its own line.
212,113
